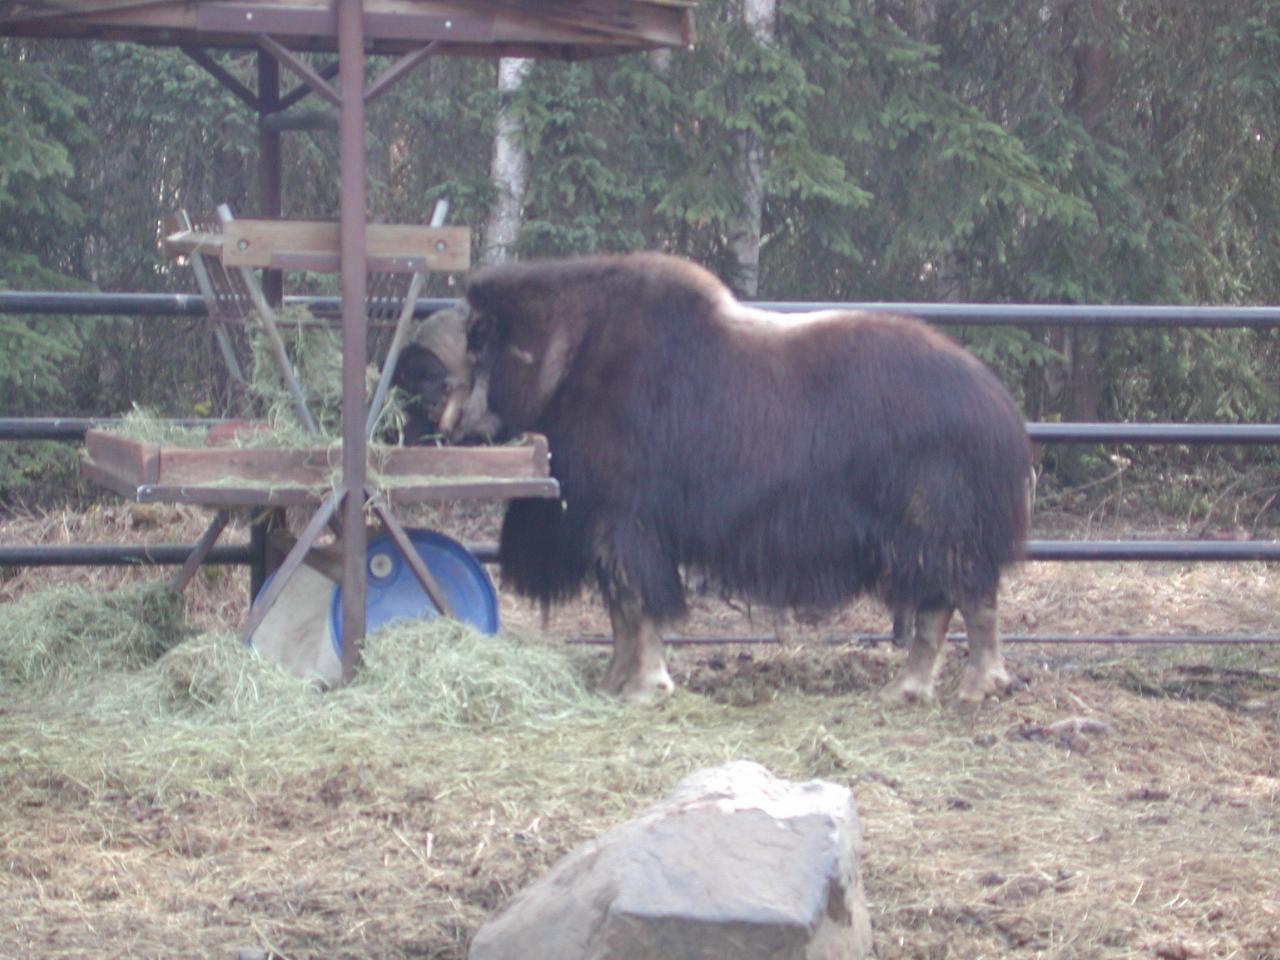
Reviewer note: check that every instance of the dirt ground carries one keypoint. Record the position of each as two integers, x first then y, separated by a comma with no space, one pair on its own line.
1121,802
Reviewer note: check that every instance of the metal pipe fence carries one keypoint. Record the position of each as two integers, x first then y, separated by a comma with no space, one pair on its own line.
72,429
38,303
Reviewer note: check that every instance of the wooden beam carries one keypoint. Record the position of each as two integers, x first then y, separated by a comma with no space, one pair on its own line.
289,61
328,72
353,282
389,77
180,579
267,599
216,70
411,556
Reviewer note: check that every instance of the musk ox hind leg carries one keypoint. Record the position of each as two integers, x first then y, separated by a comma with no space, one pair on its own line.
915,681
904,624
637,671
985,674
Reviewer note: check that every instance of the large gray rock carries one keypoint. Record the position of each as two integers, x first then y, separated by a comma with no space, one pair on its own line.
734,864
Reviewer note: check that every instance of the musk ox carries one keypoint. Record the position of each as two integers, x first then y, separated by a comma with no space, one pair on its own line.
793,459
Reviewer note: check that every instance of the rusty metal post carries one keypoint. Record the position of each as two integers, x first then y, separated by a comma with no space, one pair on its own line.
352,217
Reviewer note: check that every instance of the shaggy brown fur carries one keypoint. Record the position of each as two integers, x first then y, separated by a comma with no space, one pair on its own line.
794,460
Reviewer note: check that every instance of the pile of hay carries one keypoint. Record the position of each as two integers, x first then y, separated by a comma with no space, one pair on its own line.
72,630
151,701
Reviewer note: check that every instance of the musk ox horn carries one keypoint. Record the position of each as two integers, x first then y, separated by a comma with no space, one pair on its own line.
444,334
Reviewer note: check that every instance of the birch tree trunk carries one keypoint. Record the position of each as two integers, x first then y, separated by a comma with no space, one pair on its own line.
745,233
509,169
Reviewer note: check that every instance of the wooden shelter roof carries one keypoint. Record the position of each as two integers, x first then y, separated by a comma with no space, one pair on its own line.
562,29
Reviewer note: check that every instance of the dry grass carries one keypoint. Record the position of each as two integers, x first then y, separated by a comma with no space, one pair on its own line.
1119,804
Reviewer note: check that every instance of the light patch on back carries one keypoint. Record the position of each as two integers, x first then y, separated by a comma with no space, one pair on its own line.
734,311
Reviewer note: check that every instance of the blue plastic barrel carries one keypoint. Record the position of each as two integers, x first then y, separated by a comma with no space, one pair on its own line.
394,593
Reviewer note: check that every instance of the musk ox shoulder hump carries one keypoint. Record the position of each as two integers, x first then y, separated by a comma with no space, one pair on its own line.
628,275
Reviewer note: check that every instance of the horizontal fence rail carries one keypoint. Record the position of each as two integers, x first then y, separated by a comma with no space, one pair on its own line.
115,555
99,555
959,314
73,429
1058,551
1021,315
1091,550
1113,639
1050,314
1155,433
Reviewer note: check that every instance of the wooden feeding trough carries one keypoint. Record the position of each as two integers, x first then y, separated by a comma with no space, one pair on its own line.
234,476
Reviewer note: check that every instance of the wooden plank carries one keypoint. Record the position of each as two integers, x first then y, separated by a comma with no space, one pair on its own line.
315,466
257,243
546,489
273,476
258,466
330,263
44,9
599,26
132,460
232,496
513,462
565,30
416,21
111,481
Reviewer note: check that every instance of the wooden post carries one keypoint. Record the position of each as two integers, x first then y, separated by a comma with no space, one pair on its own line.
352,219
270,164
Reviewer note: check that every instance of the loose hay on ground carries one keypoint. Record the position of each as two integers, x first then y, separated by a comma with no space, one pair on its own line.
191,806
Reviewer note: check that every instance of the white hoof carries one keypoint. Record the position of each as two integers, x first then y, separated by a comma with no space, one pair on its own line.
907,689
645,688
978,682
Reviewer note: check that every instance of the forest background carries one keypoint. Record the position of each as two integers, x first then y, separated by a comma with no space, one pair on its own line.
1066,151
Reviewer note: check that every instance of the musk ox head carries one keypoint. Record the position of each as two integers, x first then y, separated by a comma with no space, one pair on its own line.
507,349
446,378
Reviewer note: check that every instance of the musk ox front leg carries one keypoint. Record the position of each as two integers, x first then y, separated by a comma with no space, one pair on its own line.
915,682
985,674
637,671
641,587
